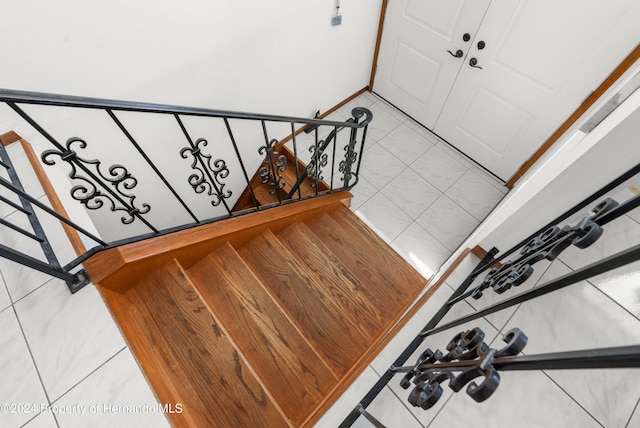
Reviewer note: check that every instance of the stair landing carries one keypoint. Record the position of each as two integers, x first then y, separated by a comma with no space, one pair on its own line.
267,328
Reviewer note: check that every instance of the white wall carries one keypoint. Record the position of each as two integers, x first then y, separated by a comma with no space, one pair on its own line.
277,57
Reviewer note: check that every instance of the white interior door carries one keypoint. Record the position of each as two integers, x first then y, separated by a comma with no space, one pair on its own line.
415,70
541,60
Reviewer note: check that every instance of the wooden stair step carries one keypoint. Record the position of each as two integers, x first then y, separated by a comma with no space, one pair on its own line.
406,275
263,195
369,258
306,302
306,187
348,292
295,375
194,356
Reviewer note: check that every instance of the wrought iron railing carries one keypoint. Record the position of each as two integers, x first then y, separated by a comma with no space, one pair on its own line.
470,362
106,177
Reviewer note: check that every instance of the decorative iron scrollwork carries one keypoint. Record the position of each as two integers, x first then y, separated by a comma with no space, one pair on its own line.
88,192
274,165
468,358
214,171
318,161
546,246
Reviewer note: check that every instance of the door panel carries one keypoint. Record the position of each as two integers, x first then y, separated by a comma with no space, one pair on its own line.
494,139
541,60
415,71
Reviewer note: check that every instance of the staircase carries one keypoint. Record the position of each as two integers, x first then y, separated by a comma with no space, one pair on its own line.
267,324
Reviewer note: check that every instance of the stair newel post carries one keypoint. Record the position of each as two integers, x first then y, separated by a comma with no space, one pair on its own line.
368,117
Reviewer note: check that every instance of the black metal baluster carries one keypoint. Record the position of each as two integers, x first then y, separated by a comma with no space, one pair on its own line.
244,170
296,160
315,161
276,163
126,132
50,211
333,157
74,282
83,194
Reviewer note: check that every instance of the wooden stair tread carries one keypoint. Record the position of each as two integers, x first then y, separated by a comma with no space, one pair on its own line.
330,331
353,296
288,366
370,259
392,260
205,369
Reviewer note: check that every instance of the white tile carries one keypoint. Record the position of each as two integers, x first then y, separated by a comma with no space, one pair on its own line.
434,139
448,222
384,217
474,194
582,317
117,384
362,192
43,420
495,182
635,215
379,166
405,144
618,235
20,279
454,153
20,385
348,400
523,399
5,301
387,409
411,192
635,418
385,120
69,335
438,168
424,252
622,285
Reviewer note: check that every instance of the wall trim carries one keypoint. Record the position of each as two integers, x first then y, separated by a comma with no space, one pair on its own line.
376,51
580,111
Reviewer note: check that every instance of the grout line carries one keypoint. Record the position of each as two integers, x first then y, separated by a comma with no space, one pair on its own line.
614,301
405,404
441,409
33,360
635,409
571,397
89,375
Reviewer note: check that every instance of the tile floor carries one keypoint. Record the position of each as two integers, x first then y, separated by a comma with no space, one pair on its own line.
62,354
